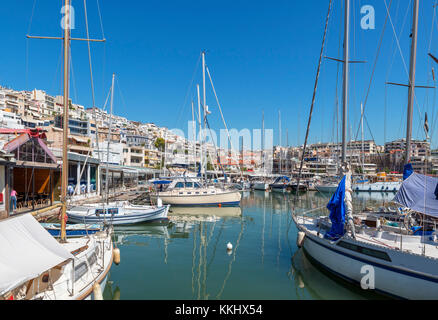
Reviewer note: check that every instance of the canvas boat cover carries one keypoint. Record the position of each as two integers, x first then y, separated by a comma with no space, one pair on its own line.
419,193
27,250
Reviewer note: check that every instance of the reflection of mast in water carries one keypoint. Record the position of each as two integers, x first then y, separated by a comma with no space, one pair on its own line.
272,213
232,260
263,230
279,233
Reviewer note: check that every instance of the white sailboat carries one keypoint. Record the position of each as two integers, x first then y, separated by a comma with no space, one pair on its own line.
187,191
119,212
394,261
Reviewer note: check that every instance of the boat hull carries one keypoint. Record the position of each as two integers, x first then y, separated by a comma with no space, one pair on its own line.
391,280
261,186
222,199
141,216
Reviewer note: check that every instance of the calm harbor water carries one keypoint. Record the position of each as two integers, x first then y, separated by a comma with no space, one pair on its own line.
187,258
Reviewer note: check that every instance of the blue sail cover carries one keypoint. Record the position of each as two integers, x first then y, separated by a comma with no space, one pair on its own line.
419,193
336,206
407,171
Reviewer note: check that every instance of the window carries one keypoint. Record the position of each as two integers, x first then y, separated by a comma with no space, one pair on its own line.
179,185
366,251
80,270
92,259
189,184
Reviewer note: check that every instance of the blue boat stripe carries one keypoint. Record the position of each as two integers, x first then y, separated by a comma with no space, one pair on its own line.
397,270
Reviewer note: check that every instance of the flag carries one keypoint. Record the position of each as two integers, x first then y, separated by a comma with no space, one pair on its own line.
426,127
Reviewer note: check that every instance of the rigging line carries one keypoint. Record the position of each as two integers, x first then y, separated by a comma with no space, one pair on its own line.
121,95
91,72
100,19
313,99
403,59
222,115
392,59
27,43
73,76
57,68
188,90
374,69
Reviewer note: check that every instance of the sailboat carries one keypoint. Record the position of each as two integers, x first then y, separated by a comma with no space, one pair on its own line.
118,212
38,267
262,183
186,191
390,260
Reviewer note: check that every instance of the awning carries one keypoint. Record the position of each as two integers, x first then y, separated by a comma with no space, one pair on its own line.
418,193
27,250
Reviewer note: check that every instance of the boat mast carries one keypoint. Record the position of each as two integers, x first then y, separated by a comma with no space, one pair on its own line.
363,151
109,140
279,137
64,174
200,134
345,85
412,81
263,144
204,109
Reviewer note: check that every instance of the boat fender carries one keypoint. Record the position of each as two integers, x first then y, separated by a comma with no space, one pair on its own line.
300,239
229,246
97,291
159,203
116,252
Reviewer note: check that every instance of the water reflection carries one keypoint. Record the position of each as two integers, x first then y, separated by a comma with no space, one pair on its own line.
206,211
311,282
189,259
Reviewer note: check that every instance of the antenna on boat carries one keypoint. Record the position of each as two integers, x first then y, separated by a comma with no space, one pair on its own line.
64,174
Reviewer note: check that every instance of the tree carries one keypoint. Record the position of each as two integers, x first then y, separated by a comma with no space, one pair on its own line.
160,144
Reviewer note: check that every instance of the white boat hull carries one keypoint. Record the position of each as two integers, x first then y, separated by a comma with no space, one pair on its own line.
407,276
127,215
212,198
261,186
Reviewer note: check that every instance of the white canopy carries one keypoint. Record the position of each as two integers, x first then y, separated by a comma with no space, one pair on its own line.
26,251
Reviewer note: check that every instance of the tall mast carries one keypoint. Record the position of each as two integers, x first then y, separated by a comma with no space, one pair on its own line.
346,74
363,151
279,137
64,174
204,107
194,132
109,139
201,160
263,142
412,81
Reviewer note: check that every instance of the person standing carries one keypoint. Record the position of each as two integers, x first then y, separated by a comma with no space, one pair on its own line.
13,200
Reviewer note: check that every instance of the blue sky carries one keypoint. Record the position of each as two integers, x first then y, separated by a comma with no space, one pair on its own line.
262,54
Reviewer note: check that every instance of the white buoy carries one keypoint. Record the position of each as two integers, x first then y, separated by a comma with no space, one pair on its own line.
159,202
229,246
116,252
97,291
300,239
